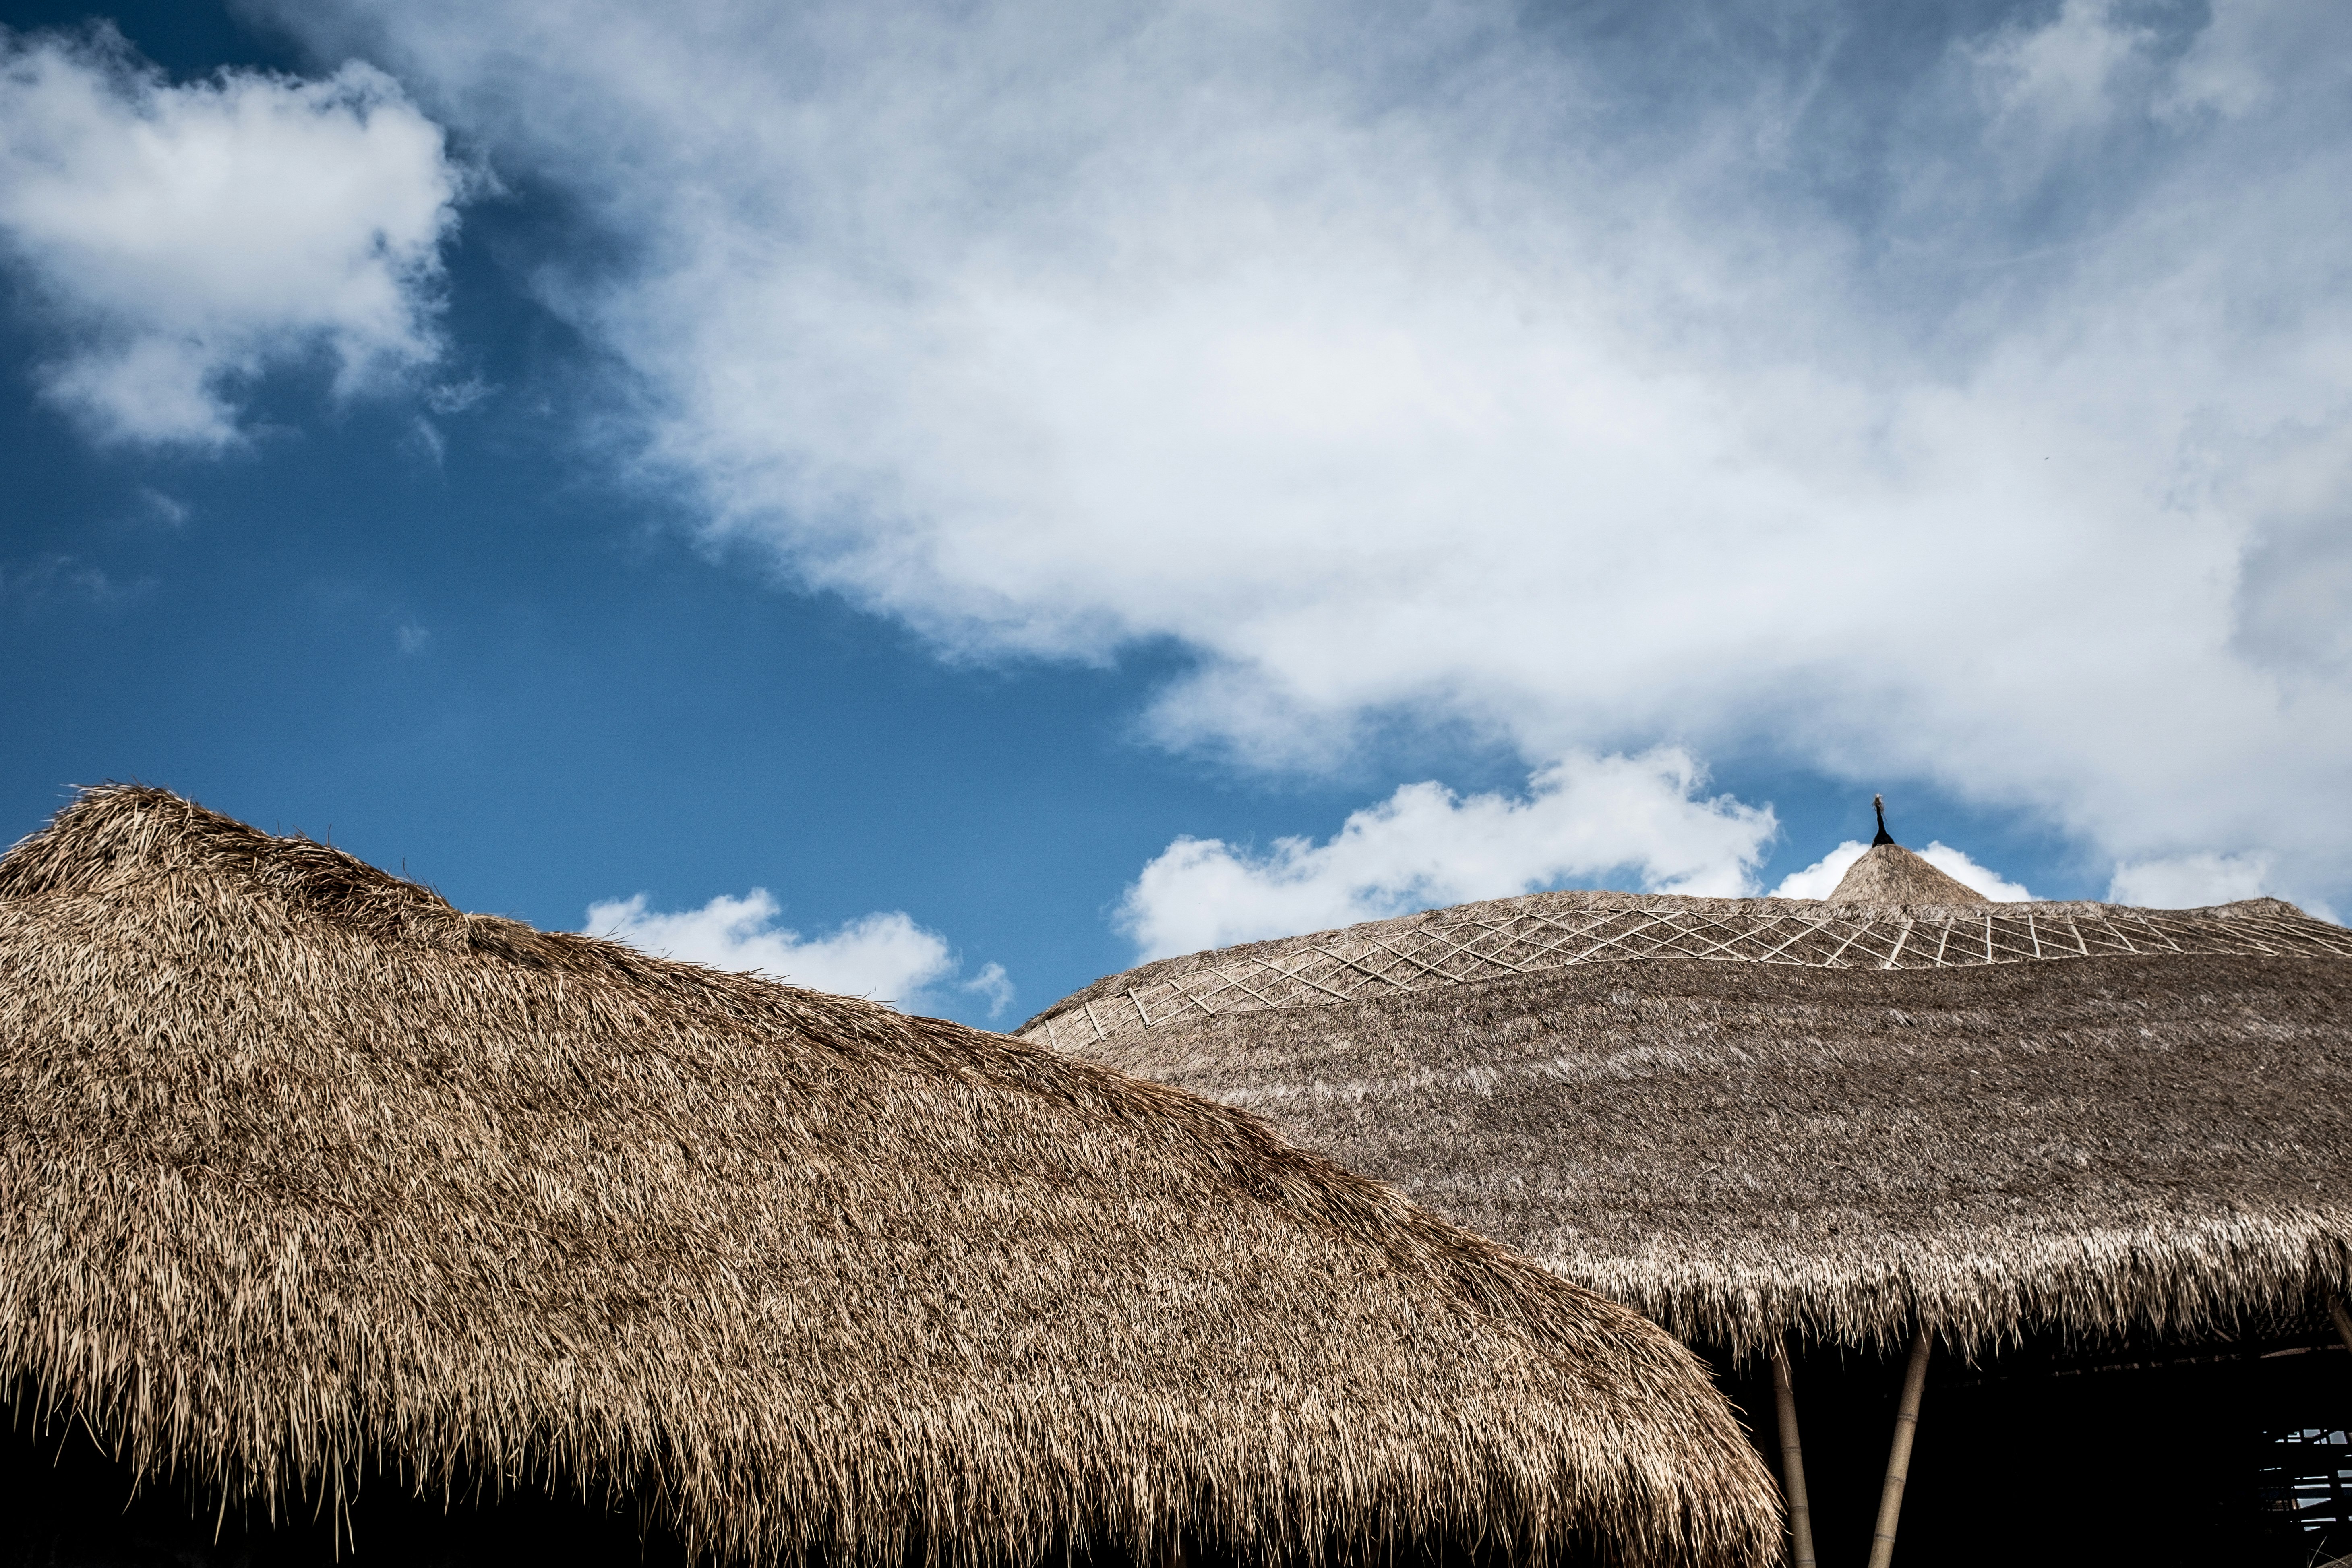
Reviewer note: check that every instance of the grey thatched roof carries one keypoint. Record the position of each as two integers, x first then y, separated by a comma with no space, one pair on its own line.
302,1170
1757,1117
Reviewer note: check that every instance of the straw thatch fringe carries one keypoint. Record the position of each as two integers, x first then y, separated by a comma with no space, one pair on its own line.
302,1172
1748,1151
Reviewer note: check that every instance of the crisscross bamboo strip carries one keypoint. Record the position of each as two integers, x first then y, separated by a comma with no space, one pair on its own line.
1349,967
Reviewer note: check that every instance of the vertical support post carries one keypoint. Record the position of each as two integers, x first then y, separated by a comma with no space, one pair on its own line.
1898,1457
2343,1319
1792,1461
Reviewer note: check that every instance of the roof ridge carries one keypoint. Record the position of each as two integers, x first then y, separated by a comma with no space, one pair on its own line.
114,834
114,827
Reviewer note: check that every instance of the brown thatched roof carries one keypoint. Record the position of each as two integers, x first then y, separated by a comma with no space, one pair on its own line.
1751,1118
301,1169
1890,874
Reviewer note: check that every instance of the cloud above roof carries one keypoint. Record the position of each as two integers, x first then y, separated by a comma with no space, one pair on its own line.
181,240
1967,407
2185,881
883,956
1424,847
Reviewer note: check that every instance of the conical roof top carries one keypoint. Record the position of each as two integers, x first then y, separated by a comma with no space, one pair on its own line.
1890,874
303,1168
1765,1117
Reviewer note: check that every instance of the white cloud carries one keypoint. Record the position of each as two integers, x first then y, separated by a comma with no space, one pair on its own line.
2059,73
458,396
185,239
1956,863
991,985
2189,881
884,955
168,510
2223,72
1821,878
1425,846
1409,365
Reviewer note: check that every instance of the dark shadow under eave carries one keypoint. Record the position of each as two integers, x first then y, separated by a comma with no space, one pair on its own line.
2144,1452
65,1502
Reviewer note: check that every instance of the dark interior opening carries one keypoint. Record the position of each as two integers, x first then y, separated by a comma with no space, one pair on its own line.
2140,1453
65,1502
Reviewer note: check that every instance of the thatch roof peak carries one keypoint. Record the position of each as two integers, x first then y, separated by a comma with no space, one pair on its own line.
114,836
304,1169
1889,874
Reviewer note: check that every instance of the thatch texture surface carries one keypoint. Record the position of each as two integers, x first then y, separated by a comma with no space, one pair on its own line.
1505,938
299,1168
1743,1149
1890,874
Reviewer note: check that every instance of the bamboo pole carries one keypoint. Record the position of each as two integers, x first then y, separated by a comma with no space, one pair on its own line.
1898,1457
2343,1319
1793,1460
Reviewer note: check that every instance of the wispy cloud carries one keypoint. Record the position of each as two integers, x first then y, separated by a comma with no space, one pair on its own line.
168,510
1425,846
991,985
1448,364
183,239
69,578
885,956
458,396
2190,881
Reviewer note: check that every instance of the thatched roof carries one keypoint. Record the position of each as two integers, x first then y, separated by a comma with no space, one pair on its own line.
302,1170
1756,1117
1890,874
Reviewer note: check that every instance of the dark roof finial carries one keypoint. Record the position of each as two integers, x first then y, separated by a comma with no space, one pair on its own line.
1878,805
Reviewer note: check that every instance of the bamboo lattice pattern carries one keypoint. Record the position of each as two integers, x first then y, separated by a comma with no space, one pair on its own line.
1371,962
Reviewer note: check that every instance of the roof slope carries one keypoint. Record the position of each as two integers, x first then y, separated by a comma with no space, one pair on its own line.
302,1167
1750,1118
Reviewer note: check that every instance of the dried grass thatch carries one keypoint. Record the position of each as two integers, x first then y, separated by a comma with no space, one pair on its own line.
1759,1118
1890,874
306,1172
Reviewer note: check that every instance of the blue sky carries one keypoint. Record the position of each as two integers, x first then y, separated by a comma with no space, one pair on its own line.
1027,486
